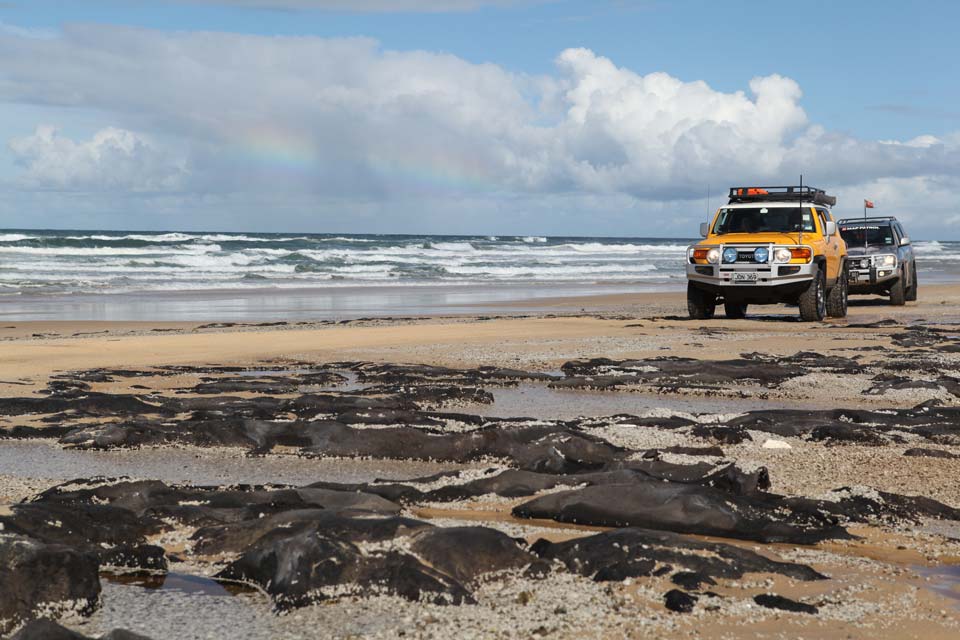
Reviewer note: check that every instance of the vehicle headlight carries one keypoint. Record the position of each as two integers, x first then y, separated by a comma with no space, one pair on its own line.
886,261
761,255
865,263
782,255
729,255
713,256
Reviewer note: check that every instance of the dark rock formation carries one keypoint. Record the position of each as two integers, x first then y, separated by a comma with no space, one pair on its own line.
44,579
236,536
886,382
772,601
685,509
514,483
611,551
677,372
301,565
468,553
841,433
679,601
44,629
930,453
691,580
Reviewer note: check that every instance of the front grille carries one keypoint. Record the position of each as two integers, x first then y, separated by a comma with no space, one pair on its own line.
745,255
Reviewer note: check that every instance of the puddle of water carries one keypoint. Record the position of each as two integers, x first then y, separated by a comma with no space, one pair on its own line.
945,528
45,460
180,582
183,607
531,400
537,400
943,579
351,383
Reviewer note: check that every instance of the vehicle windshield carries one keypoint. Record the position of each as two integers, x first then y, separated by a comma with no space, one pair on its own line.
758,219
876,234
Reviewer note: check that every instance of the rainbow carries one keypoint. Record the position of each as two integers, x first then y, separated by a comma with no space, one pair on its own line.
276,149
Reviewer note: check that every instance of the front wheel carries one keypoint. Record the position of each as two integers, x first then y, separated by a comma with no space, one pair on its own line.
898,293
735,310
837,298
701,305
912,291
813,302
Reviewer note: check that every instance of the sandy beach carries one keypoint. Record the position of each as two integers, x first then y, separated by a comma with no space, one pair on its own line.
897,576
478,319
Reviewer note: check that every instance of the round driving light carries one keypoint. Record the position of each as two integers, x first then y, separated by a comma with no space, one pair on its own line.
865,263
782,255
713,256
761,255
729,255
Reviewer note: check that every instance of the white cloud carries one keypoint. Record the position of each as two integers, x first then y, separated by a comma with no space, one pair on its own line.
114,159
301,119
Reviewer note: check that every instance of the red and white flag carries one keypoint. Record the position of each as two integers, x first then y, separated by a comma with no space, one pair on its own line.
868,204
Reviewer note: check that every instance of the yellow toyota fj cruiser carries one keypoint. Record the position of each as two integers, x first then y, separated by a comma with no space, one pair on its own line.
770,245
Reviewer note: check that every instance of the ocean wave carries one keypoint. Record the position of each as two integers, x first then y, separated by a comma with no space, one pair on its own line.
164,238
103,262
928,246
225,237
110,251
342,239
449,246
177,237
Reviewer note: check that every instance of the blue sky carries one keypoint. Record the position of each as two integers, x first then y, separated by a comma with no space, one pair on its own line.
870,73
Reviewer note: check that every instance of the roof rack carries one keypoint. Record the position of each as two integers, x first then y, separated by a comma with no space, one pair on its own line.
870,219
779,194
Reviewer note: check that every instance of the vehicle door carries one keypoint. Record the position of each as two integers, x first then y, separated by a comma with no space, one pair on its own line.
832,248
904,252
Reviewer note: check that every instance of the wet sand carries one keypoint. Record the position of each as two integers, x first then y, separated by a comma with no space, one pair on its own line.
897,582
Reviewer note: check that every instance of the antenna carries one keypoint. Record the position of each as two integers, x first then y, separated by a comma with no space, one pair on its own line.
800,236
708,203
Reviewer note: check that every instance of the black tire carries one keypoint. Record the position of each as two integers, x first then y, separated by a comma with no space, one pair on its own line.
898,292
701,305
813,301
837,298
735,310
912,291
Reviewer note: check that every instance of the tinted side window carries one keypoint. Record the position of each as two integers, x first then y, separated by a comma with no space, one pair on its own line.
821,214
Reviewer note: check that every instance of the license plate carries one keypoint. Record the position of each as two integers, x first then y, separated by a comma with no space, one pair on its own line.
743,277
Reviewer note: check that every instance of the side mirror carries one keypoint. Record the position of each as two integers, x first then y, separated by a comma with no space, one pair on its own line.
904,241
704,229
831,227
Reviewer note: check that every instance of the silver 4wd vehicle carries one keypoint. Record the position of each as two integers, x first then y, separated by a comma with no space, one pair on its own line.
880,258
